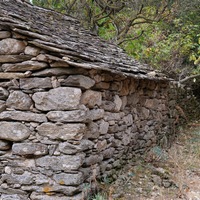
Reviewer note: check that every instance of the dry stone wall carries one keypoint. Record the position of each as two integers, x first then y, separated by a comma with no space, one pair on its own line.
62,127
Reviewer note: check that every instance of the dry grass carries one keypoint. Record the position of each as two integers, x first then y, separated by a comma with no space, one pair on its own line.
181,168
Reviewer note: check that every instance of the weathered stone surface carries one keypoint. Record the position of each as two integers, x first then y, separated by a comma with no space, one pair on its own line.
29,149
108,105
68,116
4,34
152,103
26,178
3,94
118,103
62,98
22,116
13,197
19,100
5,145
93,159
69,179
108,153
14,58
103,127
95,114
13,131
32,83
24,66
112,116
91,98
11,46
62,131
93,131
40,196
101,145
59,64
133,99
79,81
68,148
33,51
65,162
2,105
58,72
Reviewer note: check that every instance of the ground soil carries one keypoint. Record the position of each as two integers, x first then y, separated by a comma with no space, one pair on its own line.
162,174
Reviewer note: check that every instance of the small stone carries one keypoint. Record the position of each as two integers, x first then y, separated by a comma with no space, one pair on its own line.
29,149
103,127
91,98
2,105
8,170
5,145
78,81
11,46
3,94
13,131
156,179
69,179
118,103
32,83
19,100
33,51
63,131
4,34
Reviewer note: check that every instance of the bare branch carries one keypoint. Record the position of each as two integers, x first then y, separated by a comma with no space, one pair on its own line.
133,38
189,78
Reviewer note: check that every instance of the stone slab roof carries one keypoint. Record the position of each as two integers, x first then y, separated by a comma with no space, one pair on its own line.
64,35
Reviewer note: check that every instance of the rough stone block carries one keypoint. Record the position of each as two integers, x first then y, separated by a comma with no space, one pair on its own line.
29,149
4,34
33,51
19,100
78,81
69,179
13,131
24,66
68,116
62,98
65,162
32,83
3,94
91,98
22,116
62,131
11,46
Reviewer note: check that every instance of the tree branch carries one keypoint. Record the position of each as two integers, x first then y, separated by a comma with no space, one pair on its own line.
189,78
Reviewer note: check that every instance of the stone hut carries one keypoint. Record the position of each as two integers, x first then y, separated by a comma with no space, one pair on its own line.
73,108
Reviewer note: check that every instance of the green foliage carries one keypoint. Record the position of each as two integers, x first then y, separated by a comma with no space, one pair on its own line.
164,34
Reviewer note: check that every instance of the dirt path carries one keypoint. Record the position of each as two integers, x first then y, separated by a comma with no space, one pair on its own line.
161,175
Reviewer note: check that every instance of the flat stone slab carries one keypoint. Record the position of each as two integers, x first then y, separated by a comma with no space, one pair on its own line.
68,179
62,98
67,116
65,162
32,83
22,116
29,149
73,131
24,66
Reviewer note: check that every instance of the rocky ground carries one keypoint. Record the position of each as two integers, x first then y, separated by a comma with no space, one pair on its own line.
161,175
